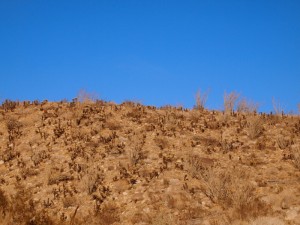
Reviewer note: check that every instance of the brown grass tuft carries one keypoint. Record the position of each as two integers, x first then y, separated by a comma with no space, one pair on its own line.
255,127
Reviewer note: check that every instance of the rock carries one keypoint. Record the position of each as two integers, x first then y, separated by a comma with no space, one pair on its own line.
120,185
138,197
291,214
285,204
288,201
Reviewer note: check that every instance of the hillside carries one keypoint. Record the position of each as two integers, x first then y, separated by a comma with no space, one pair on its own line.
102,163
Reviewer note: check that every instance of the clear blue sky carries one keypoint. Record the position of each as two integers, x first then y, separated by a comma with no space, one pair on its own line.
157,52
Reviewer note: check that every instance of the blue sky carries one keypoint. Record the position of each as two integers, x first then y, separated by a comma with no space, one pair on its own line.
155,52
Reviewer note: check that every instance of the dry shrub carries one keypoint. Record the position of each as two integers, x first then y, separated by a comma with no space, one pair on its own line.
267,221
135,155
69,201
283,142
163,219
261,143
9,105
255,127
230,101
135,114
92,179
9,154
201,99
13,127
205,141
221,220
84,97
161,142
217,186
296,156
22,209
41,218
108,214
277,107
113,125
191,212
141,217
197,166
246,204
246,106
232,190
3,203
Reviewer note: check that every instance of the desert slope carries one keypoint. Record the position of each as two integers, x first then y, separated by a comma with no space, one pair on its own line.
102,163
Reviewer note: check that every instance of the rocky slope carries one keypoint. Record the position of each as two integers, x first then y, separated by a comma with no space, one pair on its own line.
102,163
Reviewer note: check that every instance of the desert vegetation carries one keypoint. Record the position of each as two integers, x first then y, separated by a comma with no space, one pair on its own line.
89,161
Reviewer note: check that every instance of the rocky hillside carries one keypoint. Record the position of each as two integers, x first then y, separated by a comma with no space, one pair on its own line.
102,163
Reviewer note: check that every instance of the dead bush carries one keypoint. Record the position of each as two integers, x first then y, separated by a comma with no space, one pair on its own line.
201,99
266,220
217,186
255,127
135,114
135,155
108,214
246,106
277,107
246,204
22,208
163,219
161,142
296,156
230,101
58,130
85,97
69,201
283,142
92,180
9,105
112,125
41,218
197,166
3,203
13,127
9,154
231,189
39,157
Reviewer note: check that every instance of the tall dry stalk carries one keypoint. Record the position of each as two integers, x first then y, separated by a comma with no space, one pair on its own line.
247,106
230,101
277,106
201,99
